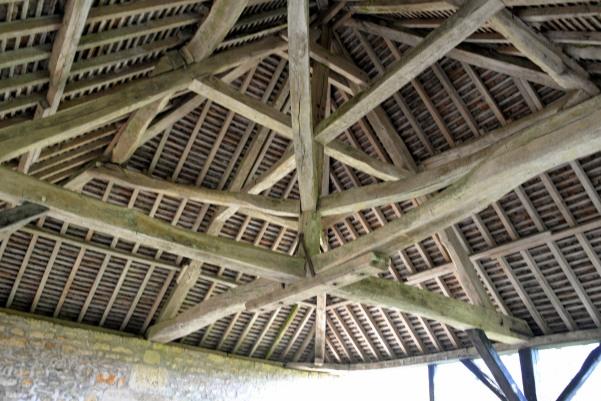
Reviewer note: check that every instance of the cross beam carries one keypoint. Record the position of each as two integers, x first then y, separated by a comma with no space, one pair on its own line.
136,227
67,124
212,31
566,136
264,205
452,32
263,295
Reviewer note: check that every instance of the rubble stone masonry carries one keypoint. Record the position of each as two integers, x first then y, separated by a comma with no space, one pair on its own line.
45,360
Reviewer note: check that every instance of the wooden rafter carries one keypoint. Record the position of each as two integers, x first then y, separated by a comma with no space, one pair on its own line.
248,202
134,226
483,59
565,71
467,19
538,148
59,64
95,113
345,330
398,296
212,31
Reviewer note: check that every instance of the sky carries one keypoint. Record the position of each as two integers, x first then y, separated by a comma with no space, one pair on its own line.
556,367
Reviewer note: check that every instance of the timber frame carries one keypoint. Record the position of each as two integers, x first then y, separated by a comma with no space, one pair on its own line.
332,184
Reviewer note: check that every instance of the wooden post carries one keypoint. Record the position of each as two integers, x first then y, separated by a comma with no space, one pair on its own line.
307,104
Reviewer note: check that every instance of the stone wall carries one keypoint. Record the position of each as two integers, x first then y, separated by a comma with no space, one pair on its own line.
44,360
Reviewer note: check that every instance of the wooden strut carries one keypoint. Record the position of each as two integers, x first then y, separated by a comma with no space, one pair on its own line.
470,182
302,117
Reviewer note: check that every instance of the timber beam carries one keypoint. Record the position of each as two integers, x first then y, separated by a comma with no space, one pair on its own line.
212,31
403,6
438,43
247,202
549,57
565,136
66,124
496,366
136,227
588,366
484,378
455,313
512,66
263,295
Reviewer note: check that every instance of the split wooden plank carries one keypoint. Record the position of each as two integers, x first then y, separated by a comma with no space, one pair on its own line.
14,218
455,313
452,32
136,227
132,179
64,125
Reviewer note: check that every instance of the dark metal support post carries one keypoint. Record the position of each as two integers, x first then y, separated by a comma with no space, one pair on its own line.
528,358
495,365
484,378
589,365
431,375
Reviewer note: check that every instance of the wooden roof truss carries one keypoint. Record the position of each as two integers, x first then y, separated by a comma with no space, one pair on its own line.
321,183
